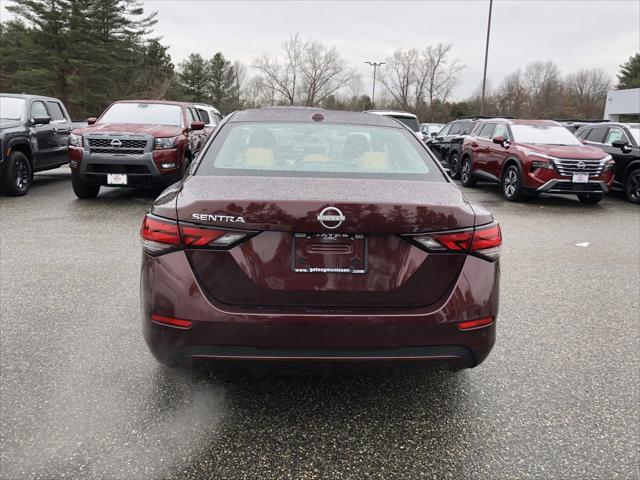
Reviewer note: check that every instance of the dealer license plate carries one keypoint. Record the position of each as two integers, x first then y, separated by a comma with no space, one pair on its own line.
580,178
116,179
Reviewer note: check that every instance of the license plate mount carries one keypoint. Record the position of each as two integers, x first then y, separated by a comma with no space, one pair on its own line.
329,253
580,178
116,178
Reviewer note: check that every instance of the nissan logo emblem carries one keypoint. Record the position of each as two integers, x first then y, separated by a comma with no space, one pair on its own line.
331,218
581,165
115,143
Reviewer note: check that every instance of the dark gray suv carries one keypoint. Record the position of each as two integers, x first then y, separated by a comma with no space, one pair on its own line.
34,136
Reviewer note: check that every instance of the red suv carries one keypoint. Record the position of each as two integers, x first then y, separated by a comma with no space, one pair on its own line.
529,157
135,143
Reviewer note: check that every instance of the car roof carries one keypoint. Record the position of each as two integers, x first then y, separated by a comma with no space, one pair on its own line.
207,106
165,102
304,114
28,96
392,113
520,121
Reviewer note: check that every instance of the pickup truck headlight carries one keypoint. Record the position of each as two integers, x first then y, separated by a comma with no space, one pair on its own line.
75,140
164,143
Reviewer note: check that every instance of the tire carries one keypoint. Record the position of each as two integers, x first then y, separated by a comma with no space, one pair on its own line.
454,165
632,187
82,189
511,184
18,175
590,198
466,176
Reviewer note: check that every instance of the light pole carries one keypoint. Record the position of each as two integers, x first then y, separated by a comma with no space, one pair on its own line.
375,66
486,57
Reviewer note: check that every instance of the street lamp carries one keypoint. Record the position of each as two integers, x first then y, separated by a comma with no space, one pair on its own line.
375,66
486,57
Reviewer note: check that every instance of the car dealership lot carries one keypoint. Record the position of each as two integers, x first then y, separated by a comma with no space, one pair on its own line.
82,397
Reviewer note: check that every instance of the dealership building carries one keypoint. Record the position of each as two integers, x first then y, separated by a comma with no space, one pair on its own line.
622,102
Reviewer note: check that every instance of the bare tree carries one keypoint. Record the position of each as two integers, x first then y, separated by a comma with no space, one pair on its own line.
512,96
436,76
399,75
587,92
324,72
282,76
544,85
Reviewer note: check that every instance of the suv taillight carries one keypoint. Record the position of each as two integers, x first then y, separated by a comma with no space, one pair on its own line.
482,241
159,235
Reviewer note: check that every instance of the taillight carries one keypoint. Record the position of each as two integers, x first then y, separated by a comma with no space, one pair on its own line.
194,236
159,235
171,321
482,241
473,324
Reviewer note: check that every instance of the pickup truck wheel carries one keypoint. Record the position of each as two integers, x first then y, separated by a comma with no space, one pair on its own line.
512,184
466,177
632,187
590,198
18,175
82,189
454,165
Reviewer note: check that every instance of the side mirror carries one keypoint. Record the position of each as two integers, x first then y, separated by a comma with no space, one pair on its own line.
91,120
197,125
624,146
434,134
41,120
500,140
440,139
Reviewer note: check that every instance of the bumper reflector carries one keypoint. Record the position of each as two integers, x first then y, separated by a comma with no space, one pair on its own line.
172,322
471,324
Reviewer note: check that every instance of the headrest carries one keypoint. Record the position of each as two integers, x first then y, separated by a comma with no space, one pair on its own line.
375,161
259,157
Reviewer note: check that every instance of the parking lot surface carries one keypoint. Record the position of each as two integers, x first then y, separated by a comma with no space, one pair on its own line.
81,397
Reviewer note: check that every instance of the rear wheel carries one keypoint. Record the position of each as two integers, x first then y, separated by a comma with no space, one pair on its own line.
18,175
466,177
454,165
512,184
82,188
632,187
590,197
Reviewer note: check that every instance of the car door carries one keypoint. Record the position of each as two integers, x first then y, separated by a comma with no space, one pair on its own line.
61,128
480,147
621,158
497,154
46,146
436,144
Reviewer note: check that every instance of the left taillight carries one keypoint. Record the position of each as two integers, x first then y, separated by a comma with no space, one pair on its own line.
160,235
482,241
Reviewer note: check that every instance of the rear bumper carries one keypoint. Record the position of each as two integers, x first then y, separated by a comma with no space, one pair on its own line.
168,287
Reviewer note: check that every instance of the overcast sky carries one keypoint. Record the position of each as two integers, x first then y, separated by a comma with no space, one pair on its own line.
574,34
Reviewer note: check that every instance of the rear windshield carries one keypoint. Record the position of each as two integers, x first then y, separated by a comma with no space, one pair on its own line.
143,113
317,150
544,135
410,122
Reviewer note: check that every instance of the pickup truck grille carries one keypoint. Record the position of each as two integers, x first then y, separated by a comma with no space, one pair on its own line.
127,146
568,167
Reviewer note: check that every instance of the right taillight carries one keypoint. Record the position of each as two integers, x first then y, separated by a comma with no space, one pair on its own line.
482,241
160,235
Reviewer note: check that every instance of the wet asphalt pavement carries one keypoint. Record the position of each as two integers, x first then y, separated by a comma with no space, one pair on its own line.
80,396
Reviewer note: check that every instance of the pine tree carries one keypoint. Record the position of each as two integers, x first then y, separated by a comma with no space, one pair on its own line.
629,76
194,73
222,83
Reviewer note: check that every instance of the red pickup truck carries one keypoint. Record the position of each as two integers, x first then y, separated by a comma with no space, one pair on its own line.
135,143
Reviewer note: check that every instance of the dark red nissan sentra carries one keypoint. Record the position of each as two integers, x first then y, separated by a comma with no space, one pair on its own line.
306,234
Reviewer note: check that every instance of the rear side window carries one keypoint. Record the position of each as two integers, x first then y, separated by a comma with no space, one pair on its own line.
38,110
596,135
583,133
204,116
445,130
318,150
487,130
56,112
466,129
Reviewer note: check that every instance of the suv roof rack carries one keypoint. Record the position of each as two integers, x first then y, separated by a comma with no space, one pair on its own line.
483,117
577,120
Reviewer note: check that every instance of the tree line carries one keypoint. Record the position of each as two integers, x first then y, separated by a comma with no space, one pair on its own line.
91,52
